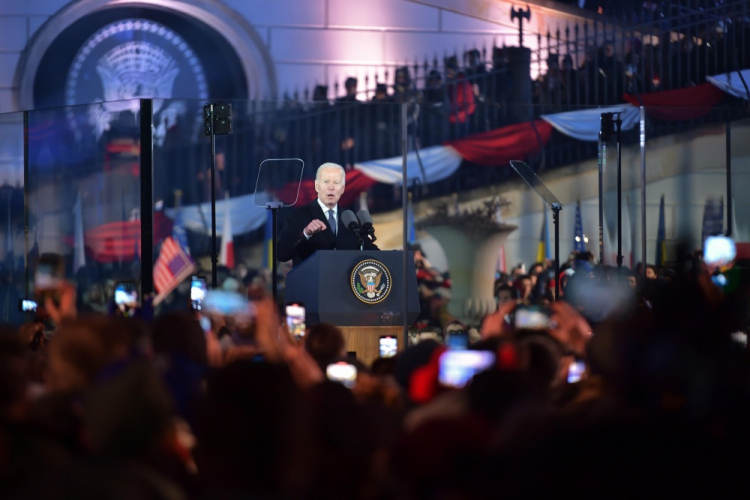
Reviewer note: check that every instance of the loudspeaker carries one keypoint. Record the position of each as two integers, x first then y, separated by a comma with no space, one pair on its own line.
220,122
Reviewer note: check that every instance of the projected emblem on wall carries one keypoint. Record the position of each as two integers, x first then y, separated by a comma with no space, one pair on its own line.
128,60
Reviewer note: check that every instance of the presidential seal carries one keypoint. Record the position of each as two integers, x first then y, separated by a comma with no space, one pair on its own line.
128,60
371,281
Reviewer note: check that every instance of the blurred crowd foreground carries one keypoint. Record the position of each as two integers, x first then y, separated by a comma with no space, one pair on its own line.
611,392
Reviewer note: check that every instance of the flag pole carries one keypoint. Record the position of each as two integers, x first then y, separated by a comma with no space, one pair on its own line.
147,196
26,194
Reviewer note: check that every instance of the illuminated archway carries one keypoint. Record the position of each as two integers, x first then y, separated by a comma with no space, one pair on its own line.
213,18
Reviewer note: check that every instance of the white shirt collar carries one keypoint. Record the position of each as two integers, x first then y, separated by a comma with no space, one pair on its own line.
326,209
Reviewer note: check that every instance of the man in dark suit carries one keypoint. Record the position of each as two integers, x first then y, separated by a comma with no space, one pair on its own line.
308,229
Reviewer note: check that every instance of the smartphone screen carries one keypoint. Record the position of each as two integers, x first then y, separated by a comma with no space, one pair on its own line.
197,292
227,304
457,340
719,250
530,318
575,371
458,367
295,319
388,346
343,373
126,294
26,305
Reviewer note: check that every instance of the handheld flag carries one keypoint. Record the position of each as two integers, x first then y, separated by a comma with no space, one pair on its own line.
172,266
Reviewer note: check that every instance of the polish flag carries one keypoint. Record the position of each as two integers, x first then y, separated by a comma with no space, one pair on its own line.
226,256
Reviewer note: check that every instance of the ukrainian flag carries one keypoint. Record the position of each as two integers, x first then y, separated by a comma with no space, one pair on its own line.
544,249
268,241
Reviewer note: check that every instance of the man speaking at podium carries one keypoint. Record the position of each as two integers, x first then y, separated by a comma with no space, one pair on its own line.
318,225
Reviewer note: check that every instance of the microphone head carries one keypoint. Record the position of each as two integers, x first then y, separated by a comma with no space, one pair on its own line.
349,219
364,217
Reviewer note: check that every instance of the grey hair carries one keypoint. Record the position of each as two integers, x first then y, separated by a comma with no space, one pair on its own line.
331,165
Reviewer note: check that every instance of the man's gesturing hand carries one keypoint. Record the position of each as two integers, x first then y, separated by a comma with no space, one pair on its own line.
315,226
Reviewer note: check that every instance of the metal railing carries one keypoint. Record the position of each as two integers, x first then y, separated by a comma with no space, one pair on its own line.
591,64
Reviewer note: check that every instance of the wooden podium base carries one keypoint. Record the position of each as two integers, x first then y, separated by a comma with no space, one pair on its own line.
364,340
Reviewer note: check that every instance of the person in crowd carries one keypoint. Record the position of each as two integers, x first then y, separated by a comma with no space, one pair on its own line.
475,68
535,272
402,86
548,87
525,288
434,93
325,343
318,226
382,121
381,93
569,81
460,92
434,97
505,294
350,86
350,120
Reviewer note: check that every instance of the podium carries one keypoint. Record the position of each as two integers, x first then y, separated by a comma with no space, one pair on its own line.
325,282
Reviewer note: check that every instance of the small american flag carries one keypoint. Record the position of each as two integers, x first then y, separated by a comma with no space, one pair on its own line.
172,266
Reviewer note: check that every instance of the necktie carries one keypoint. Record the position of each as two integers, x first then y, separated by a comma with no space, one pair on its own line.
332,221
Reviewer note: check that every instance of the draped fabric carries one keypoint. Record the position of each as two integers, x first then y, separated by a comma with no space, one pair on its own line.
245,215
356,183
585,124
121,241
687,103
732,84
438,162
498,147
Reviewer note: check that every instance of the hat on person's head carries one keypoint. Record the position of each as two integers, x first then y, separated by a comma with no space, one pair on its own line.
381,87
451,62
434,75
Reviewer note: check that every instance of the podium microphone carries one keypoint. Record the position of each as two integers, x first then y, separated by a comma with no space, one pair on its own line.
366,221
351,222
